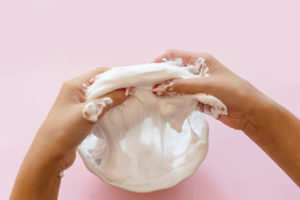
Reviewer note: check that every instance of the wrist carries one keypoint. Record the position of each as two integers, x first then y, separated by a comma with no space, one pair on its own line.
53,143
39,175
260,116
45,158
45,152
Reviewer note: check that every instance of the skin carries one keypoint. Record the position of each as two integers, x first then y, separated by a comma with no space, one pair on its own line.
272,127
268,124
54,147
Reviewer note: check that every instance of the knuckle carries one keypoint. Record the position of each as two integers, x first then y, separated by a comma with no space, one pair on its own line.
171,52
68,84
100,70
207,56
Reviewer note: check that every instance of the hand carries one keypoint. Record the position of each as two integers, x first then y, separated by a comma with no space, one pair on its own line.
267,123
54,147
238,95
65,128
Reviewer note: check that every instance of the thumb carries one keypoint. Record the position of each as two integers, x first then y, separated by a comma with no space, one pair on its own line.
182,86
94,109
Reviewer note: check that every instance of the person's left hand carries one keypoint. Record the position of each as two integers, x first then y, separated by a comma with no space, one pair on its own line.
65,128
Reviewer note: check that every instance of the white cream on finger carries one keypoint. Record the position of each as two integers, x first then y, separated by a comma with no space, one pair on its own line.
92,110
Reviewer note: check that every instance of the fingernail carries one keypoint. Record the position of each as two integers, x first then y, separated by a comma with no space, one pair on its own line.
92,80
154,89
164,60
128,91
162,89
131,91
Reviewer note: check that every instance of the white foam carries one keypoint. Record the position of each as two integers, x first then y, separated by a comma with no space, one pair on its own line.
148,142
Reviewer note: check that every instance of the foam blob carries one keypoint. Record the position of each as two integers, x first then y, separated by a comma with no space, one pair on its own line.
149,143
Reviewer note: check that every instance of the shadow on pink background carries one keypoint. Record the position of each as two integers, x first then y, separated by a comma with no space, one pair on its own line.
44,42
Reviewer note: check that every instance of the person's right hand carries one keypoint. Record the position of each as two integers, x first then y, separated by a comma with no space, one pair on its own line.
240,97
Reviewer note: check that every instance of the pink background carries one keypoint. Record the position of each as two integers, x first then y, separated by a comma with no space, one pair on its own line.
44,42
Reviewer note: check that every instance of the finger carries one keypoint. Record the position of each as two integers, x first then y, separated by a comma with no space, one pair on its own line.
93,110
82,82
163,57
129,91
164,88
201,106
188,58
182,86
89,77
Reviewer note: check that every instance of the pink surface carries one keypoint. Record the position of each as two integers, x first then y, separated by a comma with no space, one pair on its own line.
44,42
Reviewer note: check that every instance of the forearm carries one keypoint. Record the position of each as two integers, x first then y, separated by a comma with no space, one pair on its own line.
269,125
277,132
39,176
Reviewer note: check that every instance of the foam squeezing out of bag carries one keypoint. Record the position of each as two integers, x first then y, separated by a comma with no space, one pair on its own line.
149,143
